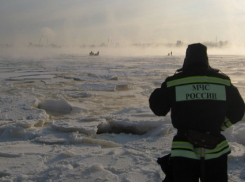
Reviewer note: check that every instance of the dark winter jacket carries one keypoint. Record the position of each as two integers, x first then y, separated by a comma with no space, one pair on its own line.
201,100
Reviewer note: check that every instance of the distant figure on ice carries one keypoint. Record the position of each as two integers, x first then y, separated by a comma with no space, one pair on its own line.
203,103
170,54
91,53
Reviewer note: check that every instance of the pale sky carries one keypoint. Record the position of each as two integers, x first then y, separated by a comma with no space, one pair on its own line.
124,21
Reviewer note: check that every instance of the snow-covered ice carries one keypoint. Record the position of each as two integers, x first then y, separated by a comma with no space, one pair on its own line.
77,118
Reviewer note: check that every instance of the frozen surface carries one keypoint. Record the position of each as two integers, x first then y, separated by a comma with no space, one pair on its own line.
77,118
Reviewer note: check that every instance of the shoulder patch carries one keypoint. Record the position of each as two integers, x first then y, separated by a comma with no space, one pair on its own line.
200,92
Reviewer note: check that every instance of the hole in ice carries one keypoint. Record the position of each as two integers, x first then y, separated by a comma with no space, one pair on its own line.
137,128
4,174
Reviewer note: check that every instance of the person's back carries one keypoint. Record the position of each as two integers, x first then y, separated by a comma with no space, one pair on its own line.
203,102
203,95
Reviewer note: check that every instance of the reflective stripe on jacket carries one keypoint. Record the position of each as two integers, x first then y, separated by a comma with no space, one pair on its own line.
187,150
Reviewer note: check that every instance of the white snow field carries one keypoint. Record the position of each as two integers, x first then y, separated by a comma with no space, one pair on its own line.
78,118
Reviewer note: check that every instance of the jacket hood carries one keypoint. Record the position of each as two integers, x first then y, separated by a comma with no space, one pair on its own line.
196,56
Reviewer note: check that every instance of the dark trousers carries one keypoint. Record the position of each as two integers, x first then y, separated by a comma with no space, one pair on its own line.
179,169
185,169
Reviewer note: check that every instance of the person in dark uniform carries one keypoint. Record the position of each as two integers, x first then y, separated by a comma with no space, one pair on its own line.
203,103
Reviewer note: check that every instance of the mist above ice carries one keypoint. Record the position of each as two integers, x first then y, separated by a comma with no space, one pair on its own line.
122,50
